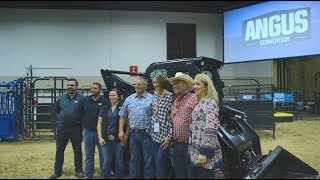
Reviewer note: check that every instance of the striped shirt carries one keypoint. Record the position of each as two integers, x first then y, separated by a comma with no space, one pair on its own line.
181,116
138,110
161,112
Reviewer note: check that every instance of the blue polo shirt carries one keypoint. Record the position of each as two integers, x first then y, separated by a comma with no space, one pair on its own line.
91,112
138,110
70,110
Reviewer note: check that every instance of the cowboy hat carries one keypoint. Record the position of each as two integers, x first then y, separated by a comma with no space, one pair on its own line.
182,77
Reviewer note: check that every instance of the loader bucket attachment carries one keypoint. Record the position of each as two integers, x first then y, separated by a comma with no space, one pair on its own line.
280,164
239,142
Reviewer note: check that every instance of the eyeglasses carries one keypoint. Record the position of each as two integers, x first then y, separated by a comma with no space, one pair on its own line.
139,84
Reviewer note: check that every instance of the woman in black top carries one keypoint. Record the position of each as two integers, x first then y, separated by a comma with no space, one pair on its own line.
108,129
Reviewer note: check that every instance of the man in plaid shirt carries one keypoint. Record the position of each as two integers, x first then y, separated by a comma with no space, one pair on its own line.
181,119
137,112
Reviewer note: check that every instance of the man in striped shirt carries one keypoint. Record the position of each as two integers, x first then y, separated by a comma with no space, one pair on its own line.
181,119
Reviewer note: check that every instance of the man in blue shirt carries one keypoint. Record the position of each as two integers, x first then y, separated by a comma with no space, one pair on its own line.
69,108
137,111
92,106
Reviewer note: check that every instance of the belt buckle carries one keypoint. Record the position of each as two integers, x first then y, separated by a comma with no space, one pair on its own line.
138,130
180,141
111,137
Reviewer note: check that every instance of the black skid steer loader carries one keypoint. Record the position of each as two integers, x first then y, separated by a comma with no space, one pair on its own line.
240,143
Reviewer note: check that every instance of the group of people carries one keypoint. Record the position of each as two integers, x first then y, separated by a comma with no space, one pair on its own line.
167,131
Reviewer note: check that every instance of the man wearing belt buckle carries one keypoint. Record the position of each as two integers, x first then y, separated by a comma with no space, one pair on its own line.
181,119
108,126
137,111
92,106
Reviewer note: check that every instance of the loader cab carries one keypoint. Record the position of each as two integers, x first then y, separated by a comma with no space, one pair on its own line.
190,66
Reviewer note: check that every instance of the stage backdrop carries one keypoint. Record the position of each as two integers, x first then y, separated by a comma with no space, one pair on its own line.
270,30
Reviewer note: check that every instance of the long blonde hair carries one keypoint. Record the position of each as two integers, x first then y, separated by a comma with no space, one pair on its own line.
211,92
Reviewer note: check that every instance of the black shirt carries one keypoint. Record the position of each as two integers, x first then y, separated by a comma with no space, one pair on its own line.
91,112
70,110
110,121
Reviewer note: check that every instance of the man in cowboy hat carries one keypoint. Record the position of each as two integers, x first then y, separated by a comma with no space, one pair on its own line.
181,119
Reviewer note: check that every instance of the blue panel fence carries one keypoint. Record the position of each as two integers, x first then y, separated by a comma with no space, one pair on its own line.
9,111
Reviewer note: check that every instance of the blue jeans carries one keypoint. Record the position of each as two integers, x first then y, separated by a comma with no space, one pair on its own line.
161,160
201,173
180,160
91,140
109,149
62,137
141,142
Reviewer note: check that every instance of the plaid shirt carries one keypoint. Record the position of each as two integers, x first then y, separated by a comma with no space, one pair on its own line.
161,112
181,116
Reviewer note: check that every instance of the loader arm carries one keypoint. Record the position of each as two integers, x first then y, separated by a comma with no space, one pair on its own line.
111,80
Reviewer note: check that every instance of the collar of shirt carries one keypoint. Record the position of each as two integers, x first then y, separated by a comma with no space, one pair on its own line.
143,95
75,95
91,99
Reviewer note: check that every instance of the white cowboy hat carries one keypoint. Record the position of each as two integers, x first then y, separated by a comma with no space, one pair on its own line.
182,77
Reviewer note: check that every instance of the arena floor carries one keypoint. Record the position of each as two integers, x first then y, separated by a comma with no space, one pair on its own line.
35,159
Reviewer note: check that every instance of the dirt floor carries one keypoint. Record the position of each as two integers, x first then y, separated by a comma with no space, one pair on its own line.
35,159
301,138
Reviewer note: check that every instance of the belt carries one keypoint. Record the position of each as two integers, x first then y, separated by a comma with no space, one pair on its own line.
139,130
180,141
